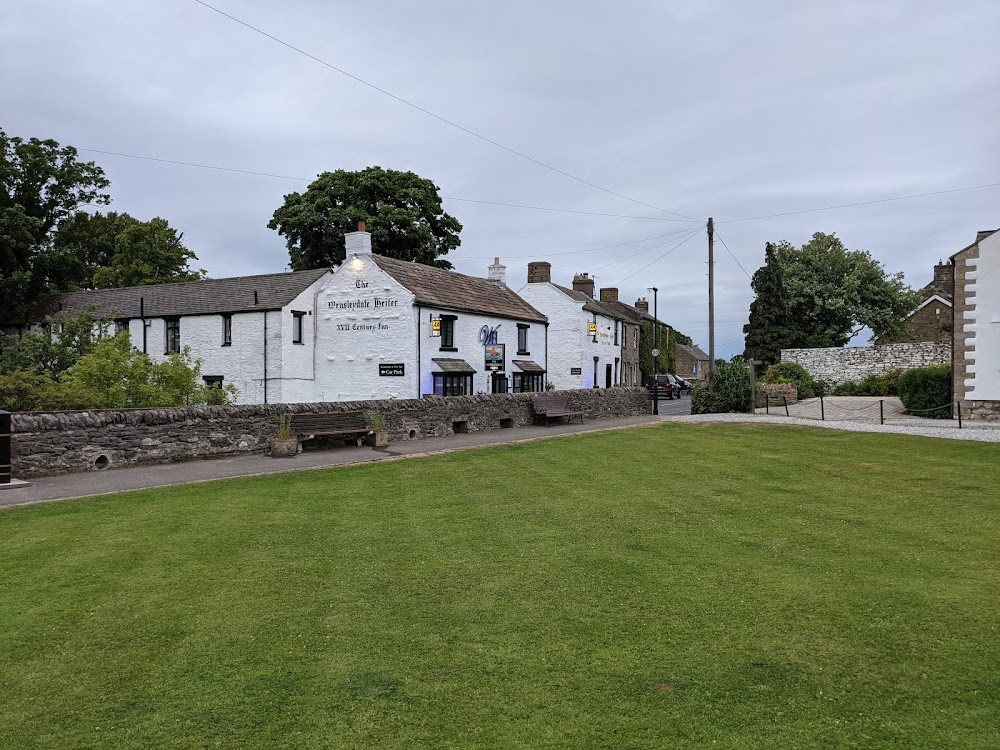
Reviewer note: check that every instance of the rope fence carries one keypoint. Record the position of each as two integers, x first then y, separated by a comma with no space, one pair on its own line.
833,411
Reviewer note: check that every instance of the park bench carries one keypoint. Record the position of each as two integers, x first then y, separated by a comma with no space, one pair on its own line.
551,407
310,425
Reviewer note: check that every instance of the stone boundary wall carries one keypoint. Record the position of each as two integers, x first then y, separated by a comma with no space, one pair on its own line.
835,365
65,442
779,393
984,411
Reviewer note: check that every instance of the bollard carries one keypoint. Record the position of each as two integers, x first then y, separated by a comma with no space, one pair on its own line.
822,410
767,403
959,405
785,399
5,447
881,414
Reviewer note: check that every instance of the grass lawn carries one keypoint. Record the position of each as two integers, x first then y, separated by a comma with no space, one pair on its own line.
684,586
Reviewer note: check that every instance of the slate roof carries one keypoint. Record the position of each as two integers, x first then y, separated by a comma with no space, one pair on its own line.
980,236
451,364
211,296
592,305
693,350
449,290
526,365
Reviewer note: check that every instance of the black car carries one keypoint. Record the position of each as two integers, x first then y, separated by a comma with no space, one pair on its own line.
666,386
686,385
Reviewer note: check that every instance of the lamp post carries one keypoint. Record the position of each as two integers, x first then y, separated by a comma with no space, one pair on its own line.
655,352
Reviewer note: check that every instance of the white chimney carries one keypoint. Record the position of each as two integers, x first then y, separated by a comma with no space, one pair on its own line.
358,243
498,273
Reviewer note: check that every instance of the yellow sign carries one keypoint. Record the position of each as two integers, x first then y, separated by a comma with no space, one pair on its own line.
435,326
592,329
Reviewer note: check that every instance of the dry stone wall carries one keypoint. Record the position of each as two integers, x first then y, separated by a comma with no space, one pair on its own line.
835,365
779,393
64,442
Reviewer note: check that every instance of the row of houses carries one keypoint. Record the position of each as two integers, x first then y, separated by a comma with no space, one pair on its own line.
376,327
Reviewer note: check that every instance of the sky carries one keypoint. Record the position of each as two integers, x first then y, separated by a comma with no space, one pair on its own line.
732,110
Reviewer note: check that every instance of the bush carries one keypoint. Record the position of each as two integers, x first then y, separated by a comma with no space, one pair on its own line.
923,389
791,372
731,392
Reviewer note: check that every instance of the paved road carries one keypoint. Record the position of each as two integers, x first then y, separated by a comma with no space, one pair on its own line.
91,483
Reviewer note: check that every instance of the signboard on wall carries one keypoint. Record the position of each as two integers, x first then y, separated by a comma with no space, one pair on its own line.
394,370
494,357
575,371
592,329
435,326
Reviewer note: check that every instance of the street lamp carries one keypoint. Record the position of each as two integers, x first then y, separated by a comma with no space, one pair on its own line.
655,352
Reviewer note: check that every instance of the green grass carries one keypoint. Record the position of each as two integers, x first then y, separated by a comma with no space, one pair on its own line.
728,586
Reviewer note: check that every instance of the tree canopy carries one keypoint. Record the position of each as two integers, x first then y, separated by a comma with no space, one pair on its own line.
49,245
402,211
822,294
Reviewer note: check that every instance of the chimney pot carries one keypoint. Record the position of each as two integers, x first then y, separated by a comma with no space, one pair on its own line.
497,273
583,283
539,272
609,294
361,226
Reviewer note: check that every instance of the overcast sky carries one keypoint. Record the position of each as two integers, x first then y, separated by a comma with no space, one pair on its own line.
727,109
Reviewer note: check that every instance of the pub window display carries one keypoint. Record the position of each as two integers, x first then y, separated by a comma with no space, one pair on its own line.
450,384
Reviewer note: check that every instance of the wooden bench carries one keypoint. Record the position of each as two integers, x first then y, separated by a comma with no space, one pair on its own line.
551,407
310,425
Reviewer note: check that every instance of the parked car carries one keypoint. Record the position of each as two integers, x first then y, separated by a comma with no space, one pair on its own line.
666,386
686,385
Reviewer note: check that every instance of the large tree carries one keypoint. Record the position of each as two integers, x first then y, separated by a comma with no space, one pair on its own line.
41,184
823,294
402,211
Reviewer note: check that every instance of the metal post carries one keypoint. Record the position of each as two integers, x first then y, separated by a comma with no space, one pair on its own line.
753,386
959,405
881,413
785,399
822,410
5,447
767,403
711,302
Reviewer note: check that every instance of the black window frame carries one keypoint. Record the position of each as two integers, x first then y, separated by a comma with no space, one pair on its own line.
451,383
448,333
522,338
213,381
529,382
122,325
227,329
172,335
298,330
616,333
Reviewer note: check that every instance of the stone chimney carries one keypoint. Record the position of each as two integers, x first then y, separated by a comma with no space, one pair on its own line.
944,281
609,295
497,273
539,272
358,243
641,305
583,283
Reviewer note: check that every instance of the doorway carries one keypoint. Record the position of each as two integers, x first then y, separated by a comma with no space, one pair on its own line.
607,376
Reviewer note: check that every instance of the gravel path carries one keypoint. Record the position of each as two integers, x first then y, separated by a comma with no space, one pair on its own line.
939,428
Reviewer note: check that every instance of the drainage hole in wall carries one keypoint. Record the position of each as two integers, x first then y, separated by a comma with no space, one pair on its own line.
459,427
413,434
506,424
101,462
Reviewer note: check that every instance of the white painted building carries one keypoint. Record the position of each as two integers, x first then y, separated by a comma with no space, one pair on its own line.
976,343
585,336
374,327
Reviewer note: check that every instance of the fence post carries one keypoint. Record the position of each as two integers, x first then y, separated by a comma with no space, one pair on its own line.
881,413
785,399
5,461
959,405
767,403
822,410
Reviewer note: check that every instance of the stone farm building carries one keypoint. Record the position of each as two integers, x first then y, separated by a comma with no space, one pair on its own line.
976,343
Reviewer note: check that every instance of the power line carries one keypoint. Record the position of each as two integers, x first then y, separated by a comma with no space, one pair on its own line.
862,203
642,252
307,179
731,254
694,232
435,116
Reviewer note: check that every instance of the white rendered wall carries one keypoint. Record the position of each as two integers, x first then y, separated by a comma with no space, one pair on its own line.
364,318
567,325
983,323
469,346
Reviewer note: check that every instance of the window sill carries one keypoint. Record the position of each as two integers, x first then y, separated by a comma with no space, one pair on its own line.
299,343
524,354
230,343
449,349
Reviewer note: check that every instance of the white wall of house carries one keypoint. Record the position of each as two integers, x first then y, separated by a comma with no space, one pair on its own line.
571,345
364,318
984,323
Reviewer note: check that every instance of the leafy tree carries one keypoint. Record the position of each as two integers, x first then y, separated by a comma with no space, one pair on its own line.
402,211
729,391
143,252
824,295
64,339
770,322
41,184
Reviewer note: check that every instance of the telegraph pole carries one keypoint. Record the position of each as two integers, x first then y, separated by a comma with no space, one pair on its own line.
711,300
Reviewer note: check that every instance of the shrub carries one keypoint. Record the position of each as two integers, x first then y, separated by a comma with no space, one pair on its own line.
923,389
792,372
731,390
